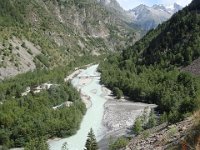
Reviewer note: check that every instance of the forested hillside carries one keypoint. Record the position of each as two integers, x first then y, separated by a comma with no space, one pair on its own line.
175,42
29,120
54,32
46,40
150,72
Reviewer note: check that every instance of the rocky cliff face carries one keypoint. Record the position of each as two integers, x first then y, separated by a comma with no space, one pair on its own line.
162,137
62,29
114,7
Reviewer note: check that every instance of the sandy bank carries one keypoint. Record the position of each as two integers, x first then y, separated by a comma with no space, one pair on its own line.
119,117
82,82
120,114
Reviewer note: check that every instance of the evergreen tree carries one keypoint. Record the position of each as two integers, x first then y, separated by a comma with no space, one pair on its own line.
91,143
121,142
137,127
37,144
163,118
118,92
152,120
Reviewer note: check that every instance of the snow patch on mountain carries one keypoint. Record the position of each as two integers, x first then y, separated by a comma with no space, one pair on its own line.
150,17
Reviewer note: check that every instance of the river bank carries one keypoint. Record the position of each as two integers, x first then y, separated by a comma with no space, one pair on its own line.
106,115
119,117
85,98
87,82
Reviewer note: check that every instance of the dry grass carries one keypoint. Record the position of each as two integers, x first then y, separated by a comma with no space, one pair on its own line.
193,138
197,118
194,67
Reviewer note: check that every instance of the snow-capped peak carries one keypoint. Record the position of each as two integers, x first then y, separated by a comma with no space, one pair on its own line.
173,7
149,17
169,6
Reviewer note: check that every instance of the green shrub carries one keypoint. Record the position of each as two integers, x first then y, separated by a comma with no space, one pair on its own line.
30,52
23,45
138,126
121,142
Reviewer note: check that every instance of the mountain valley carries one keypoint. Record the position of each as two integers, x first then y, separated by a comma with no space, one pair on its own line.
72,67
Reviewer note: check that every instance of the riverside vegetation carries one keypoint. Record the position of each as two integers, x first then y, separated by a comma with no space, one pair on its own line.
150,72
27,121
91,143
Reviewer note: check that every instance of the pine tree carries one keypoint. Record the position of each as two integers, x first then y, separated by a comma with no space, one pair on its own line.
137,128
37,144
118,92
152,120
91,143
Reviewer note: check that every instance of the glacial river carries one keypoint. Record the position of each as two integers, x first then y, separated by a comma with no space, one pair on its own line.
88,83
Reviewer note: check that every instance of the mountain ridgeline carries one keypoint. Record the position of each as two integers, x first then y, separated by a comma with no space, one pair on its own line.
175,42
150,72
150,17
53,32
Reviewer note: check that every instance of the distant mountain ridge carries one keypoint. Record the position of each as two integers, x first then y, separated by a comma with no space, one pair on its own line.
150,17
142,17
114,7
111,3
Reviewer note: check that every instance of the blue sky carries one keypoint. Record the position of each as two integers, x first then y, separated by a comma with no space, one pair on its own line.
129,4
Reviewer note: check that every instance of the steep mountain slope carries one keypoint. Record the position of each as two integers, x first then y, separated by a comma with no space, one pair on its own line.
150,17
58,30
114,7
163,137
194,67
175,42
150,72
111,4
